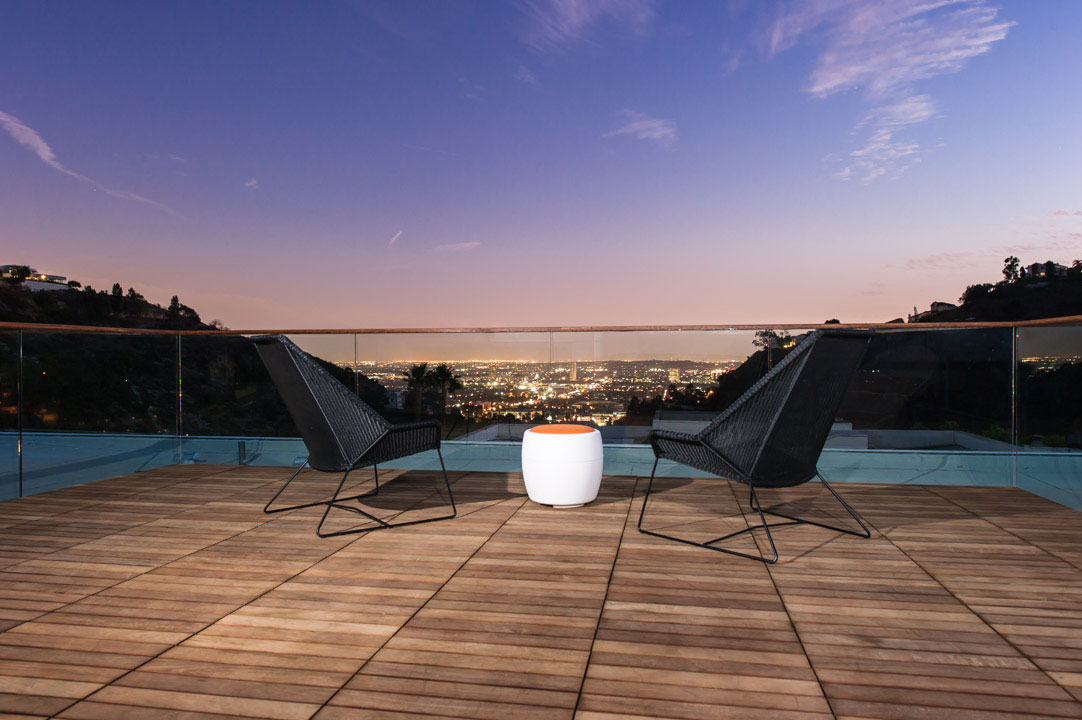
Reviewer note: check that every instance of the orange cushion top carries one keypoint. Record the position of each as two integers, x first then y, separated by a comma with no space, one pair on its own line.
562,429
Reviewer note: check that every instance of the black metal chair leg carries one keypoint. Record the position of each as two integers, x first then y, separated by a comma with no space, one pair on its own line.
447,482
852,513
865,532
757,506
646,496
709,545
380,523
370,493
267,507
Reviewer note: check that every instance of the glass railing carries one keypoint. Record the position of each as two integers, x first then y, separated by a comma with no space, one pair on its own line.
977,405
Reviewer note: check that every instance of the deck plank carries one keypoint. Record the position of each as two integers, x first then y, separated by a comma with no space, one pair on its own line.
170,594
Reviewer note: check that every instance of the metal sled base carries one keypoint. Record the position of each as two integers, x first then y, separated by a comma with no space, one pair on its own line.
338,501
754,499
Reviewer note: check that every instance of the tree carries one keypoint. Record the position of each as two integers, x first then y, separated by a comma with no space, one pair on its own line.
1010,269
444,378
974,292
18,274
771,338
418,379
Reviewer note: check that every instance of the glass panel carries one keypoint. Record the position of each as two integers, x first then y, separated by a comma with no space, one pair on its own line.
96,406
493,382
931,390
927,406
627,383
1050,412
232,412
9,422
489,389
1050,388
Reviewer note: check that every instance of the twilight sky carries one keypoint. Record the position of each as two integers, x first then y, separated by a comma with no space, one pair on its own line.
537,162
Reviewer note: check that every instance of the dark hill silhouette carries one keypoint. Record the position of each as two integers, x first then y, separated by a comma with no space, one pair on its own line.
1017,297
129,383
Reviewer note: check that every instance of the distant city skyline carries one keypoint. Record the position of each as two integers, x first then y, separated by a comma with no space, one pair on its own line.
382,164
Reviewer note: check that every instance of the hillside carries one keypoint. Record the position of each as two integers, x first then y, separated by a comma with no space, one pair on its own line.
128,383
1018,297
87,306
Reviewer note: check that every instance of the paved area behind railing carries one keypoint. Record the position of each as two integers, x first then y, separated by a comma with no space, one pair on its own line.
169,594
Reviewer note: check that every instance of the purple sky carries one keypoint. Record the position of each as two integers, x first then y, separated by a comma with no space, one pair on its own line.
540,162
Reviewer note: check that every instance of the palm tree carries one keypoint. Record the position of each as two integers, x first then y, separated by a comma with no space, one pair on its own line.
444,378
418,379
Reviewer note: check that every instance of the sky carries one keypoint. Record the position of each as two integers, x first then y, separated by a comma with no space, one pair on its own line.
540,162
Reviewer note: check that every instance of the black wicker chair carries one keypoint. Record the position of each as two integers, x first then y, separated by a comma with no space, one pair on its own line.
341,432
772,435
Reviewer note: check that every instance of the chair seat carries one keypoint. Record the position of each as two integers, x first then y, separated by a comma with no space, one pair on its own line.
689,450
402,441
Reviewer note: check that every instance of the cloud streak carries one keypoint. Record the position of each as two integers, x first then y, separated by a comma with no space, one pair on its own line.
884,49
525,75
954,260
643,127
556,24
457,247
31,140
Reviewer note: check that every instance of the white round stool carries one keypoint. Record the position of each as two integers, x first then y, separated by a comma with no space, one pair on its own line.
561,464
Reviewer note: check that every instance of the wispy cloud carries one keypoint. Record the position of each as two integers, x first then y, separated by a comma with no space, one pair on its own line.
966,258
29,138
128,195
884,49
643,127
251,183
457,247
470,90
525,75
555,24
394,239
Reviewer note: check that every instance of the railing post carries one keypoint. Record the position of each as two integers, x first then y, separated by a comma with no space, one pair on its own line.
19,406
1014,406
180,402
356,372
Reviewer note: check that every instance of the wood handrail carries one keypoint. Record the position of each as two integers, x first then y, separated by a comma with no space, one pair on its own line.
1041,322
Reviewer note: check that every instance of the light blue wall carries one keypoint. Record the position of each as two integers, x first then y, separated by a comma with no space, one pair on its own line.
55,460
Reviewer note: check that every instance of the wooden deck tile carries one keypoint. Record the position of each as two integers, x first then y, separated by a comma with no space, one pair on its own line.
170,594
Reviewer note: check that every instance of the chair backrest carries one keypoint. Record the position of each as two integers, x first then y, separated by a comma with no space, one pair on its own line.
335,424
775,431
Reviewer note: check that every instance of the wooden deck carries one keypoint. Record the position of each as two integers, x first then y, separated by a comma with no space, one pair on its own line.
169,594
